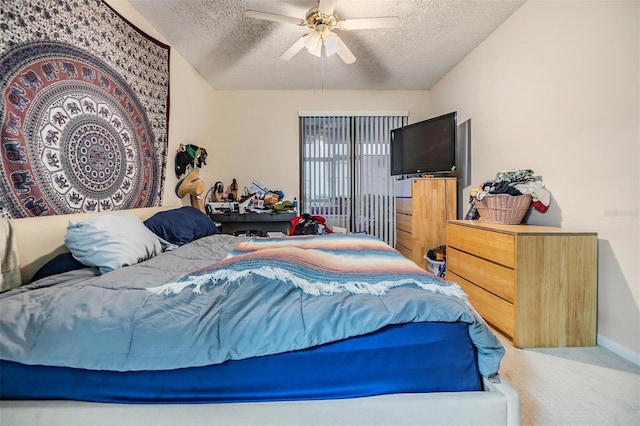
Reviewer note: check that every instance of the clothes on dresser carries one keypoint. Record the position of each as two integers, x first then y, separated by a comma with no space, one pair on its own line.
516,182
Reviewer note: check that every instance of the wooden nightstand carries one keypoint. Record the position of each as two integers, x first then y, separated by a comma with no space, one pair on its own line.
537,284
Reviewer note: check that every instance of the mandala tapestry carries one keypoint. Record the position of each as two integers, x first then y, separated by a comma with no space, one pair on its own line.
84,110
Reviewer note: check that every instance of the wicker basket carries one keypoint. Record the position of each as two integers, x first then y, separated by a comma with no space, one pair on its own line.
503,208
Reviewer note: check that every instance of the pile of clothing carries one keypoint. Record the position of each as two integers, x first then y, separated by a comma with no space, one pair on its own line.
309,225
515,182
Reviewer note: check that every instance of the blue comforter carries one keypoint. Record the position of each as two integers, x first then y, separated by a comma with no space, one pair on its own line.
114,322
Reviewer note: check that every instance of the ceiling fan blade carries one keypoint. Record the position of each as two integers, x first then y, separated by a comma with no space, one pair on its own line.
273,17
344,52
294,49
369,23
326,7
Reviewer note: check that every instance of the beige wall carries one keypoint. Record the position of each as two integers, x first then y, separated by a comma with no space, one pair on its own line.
256,133
556,89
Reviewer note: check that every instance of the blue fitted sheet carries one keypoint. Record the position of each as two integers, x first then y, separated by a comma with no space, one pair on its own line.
406,358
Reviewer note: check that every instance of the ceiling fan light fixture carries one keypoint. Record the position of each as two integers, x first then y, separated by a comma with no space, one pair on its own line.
331,48
331,44
313,43
317,51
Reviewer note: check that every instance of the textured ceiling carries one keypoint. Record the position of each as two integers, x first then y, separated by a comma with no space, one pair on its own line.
234,52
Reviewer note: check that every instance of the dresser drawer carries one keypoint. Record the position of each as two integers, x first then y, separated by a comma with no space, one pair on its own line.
492,277
494,246
405,251
404,239
404,205
493,309
404,222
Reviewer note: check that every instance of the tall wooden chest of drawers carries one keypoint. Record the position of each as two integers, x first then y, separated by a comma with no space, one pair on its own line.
537,284
423,207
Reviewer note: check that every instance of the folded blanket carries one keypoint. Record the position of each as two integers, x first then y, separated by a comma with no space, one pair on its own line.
9,261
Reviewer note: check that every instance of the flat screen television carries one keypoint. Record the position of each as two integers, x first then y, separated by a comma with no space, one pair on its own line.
426,147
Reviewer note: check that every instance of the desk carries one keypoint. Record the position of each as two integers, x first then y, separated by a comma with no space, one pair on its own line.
265,222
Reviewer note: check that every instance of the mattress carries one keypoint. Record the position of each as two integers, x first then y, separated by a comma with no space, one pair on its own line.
404,358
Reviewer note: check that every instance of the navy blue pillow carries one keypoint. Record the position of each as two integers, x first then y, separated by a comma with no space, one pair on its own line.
63,262
181,226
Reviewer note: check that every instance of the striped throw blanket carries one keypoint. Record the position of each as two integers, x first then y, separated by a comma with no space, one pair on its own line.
329,264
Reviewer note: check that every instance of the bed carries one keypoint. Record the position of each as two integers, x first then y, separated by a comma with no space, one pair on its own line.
208,328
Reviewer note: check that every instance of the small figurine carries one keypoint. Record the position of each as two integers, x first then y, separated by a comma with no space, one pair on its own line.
218,191
234,189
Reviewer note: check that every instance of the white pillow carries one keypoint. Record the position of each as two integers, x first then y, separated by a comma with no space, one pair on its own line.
111,241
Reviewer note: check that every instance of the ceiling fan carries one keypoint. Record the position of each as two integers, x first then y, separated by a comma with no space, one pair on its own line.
322,20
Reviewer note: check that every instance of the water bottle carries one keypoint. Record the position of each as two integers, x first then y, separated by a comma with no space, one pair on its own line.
295,204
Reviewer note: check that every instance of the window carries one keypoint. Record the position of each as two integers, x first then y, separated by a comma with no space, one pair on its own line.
345,171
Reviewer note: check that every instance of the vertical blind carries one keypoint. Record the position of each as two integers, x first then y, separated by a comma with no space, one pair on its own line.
345,172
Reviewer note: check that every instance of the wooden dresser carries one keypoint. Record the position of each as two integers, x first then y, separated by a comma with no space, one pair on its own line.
537,284
423,207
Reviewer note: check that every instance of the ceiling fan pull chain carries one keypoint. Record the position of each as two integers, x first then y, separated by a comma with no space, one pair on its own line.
315,73
322,69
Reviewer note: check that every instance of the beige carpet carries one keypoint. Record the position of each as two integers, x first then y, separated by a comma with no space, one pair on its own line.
573,386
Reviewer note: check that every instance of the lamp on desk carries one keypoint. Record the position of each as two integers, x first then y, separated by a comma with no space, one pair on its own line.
194,186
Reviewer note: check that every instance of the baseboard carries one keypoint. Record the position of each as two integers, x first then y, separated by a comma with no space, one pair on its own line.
618,349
